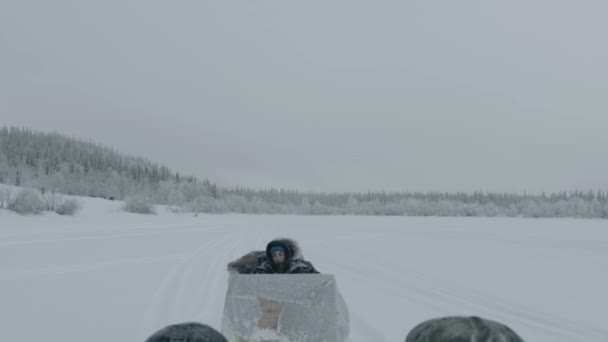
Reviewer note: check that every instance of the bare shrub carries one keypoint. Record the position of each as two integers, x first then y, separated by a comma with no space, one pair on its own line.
6,196
26,202
59,204
205,205
68,207
139,205
174,209
51,200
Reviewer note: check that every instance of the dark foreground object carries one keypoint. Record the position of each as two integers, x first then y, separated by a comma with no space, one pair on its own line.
462,329
187,332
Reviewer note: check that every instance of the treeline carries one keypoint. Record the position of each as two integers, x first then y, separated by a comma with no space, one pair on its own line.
587,204
56,163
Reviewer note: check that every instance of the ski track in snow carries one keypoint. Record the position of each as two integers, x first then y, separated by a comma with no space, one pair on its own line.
192,289
88,267
143,232
69,228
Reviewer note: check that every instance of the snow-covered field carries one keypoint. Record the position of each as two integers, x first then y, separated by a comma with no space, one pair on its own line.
105,275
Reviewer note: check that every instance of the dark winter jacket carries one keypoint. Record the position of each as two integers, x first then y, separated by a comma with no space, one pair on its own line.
295,263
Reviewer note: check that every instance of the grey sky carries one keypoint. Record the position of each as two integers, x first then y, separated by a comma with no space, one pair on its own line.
324,96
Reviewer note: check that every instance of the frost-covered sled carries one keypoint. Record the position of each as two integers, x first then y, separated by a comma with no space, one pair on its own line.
285,308
282,307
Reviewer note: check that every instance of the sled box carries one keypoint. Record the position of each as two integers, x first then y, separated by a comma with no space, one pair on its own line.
284,308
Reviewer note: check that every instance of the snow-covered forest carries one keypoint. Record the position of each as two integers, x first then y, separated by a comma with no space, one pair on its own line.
51,162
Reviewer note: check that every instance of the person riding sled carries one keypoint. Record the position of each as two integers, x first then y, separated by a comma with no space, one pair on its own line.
284,256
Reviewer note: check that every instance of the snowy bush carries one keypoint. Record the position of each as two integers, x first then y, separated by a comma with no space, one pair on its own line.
51,200
236,204
68,207
490,210
139,205
6,196
57,203
175,209
26,202
206,205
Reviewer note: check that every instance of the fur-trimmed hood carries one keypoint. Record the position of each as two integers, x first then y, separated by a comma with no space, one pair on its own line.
291,246
251,260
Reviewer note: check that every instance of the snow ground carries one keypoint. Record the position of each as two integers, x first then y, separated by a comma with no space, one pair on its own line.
105,275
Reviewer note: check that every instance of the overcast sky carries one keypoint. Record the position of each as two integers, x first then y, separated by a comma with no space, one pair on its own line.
323,96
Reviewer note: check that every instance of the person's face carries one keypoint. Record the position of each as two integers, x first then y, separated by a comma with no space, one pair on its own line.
278,257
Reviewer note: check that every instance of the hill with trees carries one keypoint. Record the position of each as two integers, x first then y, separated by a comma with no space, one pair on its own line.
52,162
